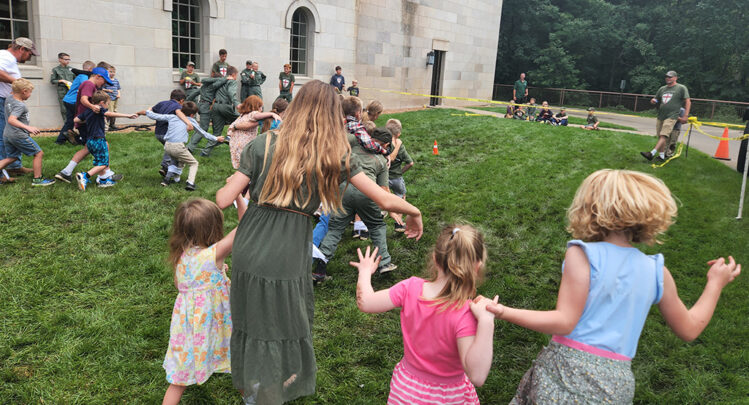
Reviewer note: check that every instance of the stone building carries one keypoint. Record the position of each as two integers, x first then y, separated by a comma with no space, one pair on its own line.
384,44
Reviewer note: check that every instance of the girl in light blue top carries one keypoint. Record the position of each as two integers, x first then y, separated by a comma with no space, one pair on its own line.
607,289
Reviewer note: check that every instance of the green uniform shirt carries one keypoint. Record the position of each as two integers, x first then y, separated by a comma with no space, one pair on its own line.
286,81
244,76
373,165
670,100
227,94
258,79
220,68
402,158
188,86
209,87
61,73
592,119
520,88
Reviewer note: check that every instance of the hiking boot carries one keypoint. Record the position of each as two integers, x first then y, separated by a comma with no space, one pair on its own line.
364,235
387,268
659,159
64,177
356,234
41,181
189,186
72,137
82,179
399,227
319,272
647,155
163,171
108,182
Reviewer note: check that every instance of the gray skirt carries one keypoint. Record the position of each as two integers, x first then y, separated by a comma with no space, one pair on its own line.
563,375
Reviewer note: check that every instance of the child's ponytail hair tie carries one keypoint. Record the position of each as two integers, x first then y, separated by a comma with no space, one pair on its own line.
455,230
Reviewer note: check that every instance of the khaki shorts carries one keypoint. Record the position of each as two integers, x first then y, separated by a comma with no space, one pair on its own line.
664,127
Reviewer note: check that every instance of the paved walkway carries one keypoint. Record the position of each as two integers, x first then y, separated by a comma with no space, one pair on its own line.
646,126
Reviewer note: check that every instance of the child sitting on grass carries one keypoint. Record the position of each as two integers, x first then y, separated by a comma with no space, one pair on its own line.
531,113
545,114
200,331
400,162
560,118
607,289
592,122
174,143
16,134
96,143
447,332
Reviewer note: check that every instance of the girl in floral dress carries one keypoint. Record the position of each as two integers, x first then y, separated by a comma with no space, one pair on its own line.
200,332
244,128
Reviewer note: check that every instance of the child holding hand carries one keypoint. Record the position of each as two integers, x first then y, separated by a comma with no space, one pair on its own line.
244,128
447,332
200,331
606,292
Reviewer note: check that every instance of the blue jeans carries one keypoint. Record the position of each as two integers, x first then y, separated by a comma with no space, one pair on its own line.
68,125
320,229
17,163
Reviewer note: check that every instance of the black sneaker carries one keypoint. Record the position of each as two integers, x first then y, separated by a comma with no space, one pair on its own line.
189,186
659,159
319,272
356,234
364,235
64,177
163,171
400,227
647,155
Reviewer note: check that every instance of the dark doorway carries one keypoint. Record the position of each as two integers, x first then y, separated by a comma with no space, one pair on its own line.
438,71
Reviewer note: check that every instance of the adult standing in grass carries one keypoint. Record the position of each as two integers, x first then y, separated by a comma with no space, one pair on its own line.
520,90
290,172
18,52
669,100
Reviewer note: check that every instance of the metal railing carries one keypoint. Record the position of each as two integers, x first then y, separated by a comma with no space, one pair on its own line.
705,108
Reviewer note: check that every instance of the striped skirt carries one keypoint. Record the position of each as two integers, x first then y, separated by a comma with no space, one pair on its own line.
408,389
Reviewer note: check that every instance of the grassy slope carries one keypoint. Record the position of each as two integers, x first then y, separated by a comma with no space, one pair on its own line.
572,120
87,298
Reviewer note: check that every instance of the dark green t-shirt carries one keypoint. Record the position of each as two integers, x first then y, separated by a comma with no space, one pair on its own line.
592,119
520,88
670,100
373,165
189,85
286,81
220,68
396,166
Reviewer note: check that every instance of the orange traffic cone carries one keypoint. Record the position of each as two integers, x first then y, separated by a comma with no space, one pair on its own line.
722,151
435,150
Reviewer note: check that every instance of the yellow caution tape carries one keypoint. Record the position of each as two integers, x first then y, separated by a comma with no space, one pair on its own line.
697,124
471,115
675,155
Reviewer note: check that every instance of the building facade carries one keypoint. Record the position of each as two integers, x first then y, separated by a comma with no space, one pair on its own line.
384,44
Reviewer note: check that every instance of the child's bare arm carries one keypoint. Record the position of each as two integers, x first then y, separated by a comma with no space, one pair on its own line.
406,167
244,126
263,115
234,186
687,324
120,115
223,247
573,292
13,120
476,351
86,103
367,299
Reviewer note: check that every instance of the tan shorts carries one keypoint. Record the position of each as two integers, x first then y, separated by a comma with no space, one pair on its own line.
664,127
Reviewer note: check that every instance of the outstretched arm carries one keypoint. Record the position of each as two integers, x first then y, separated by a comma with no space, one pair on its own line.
687,324
390,202
476,351
367,299
573,292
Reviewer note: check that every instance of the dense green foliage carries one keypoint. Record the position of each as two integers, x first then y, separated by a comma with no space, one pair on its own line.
593,44
87,296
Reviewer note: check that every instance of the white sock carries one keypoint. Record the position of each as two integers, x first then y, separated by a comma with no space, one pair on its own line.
108,173
6,174
68,170
662,155
654,152
317,254
359,226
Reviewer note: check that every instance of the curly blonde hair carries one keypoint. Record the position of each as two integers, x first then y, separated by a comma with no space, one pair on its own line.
635,203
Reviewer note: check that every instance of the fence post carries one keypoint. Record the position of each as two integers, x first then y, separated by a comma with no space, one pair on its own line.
713,112
600,101
635,109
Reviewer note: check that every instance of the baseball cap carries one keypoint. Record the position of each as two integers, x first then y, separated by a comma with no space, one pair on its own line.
591,109
672,73
190,63
382,134
26,43
103,73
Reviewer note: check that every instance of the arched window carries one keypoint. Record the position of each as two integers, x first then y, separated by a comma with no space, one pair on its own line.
302,27
14,21
186,33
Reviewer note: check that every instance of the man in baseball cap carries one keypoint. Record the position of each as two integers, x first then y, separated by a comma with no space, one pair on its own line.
27,44
669,100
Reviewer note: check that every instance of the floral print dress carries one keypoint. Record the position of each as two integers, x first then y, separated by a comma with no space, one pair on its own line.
240,138
200,332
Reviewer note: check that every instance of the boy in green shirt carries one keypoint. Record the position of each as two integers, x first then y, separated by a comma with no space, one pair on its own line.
592,122
286,83
62,77
400,162
190,82
207,94
224,109
219,67
244,78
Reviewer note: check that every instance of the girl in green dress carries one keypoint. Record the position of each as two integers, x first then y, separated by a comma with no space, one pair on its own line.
290,172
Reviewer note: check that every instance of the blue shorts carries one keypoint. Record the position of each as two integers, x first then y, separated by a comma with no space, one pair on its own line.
99,150
397,186
15,146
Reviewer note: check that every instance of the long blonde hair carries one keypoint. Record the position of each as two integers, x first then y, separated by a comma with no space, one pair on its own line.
309,148
621,201
197,222
458,250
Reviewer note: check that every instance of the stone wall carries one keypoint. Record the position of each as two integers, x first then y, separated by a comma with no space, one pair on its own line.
382,43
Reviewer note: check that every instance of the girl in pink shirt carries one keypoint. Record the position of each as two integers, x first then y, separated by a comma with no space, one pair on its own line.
447,334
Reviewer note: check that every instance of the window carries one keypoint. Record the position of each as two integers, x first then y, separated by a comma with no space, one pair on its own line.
300,28
185,33
14,21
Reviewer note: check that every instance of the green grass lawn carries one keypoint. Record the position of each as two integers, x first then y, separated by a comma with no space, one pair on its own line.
572,120
87,298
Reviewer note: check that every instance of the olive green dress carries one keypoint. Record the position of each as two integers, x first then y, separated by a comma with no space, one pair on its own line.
272,298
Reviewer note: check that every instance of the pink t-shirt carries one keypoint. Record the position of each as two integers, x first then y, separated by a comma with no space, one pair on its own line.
430,337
